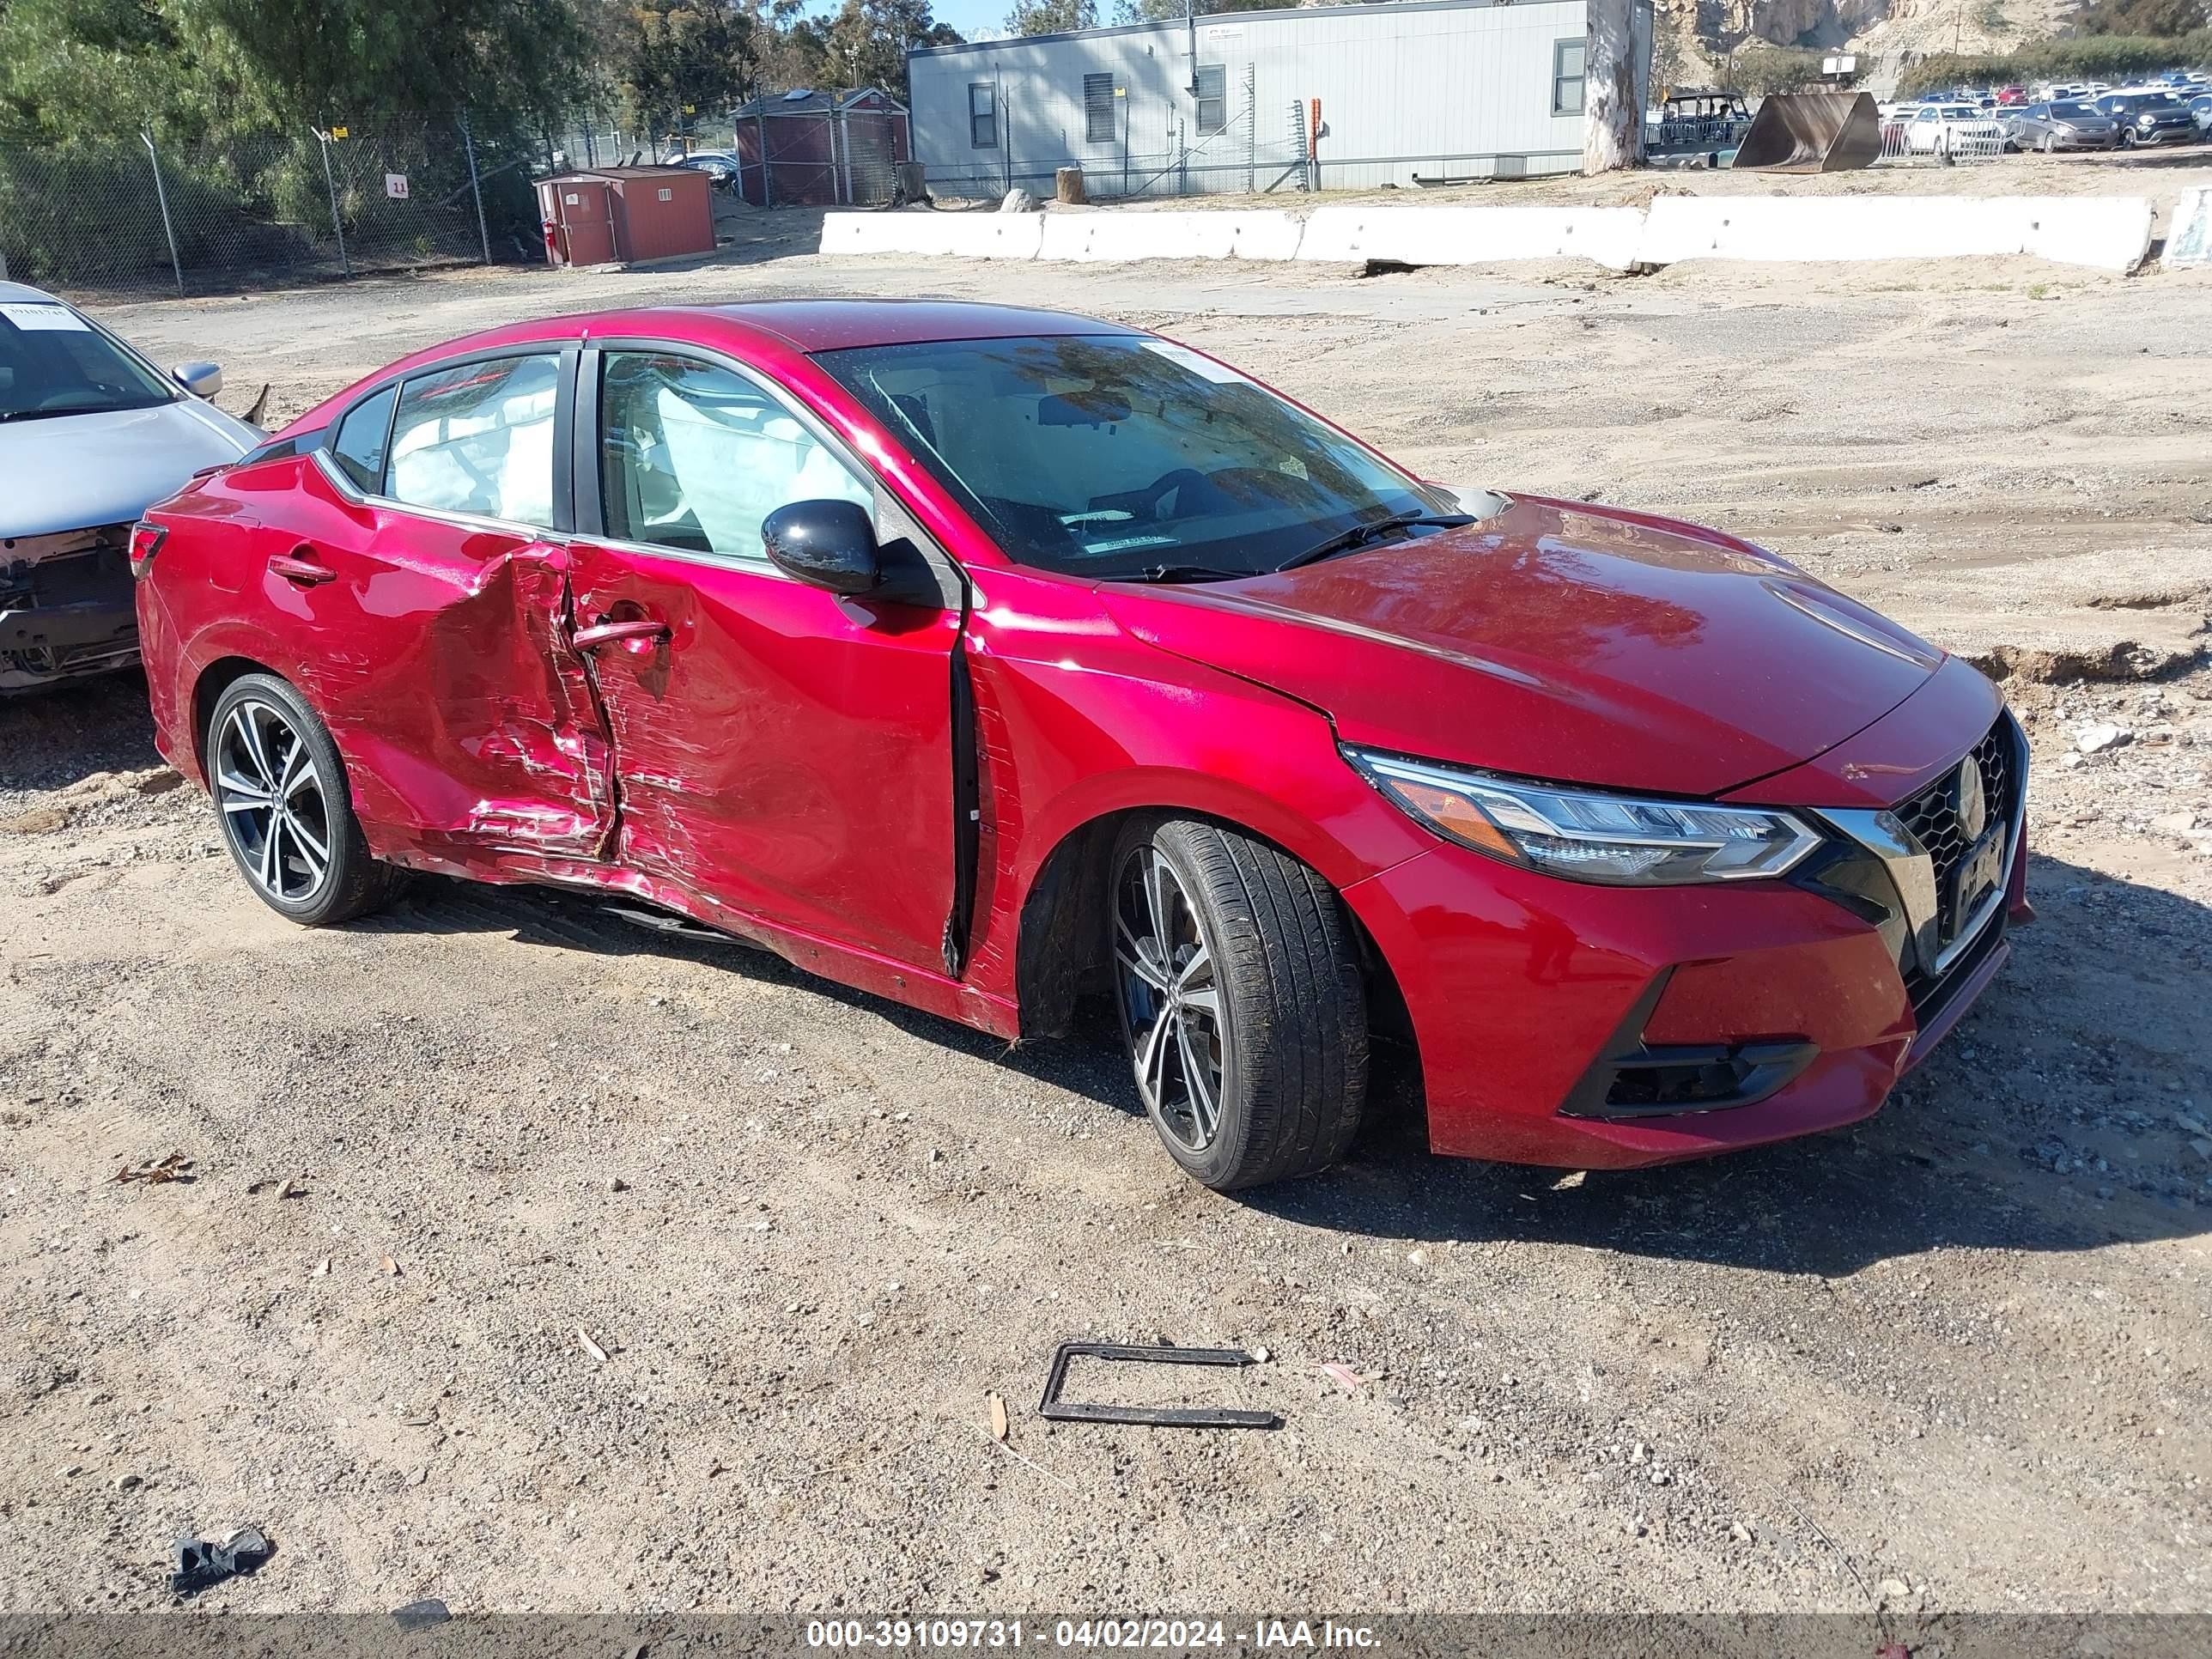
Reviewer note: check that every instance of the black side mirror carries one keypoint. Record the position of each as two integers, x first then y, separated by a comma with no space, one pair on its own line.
824,544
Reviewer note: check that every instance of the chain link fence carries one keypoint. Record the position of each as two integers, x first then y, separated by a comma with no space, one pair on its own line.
604,141
132,215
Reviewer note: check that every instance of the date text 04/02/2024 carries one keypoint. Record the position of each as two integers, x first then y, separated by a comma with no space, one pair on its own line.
1171,1635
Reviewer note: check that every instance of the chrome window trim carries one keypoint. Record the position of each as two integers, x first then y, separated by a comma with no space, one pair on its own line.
359,497
563,351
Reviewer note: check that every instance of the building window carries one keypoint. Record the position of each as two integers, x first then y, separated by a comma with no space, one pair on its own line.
1098,109
1213,100
982,115
1567,77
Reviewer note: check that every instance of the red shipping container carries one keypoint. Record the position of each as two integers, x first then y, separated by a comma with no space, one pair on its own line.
656,213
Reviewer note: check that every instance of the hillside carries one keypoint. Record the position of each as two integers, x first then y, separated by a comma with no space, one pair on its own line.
1701,35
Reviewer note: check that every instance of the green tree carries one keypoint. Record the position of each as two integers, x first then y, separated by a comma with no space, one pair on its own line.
866,44
665,57
2163,19
92,69
1052,16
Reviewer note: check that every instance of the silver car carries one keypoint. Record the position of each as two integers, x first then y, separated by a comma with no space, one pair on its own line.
2065,125
91,436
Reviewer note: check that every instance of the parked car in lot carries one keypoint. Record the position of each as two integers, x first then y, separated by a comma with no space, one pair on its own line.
2048,127
90,433
2200,111
719,165
983,657
1948,129
2149,117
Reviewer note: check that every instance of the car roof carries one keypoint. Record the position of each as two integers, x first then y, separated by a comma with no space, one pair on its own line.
795,325
19,292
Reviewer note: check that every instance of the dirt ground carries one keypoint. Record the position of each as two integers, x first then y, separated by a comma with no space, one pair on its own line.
1957,1360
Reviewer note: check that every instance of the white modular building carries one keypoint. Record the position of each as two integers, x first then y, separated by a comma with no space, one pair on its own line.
1422,91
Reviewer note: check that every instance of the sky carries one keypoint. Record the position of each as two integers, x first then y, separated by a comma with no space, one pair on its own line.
976,18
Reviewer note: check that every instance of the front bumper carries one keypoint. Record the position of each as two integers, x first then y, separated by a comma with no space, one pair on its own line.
1564,1024
66,607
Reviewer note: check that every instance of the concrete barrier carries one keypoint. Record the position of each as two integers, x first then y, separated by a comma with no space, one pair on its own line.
1170,235
2189,230
1472,235
2110,232
959,236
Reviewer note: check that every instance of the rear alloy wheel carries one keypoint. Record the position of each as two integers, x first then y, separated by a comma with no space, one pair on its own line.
1241,1002
280,792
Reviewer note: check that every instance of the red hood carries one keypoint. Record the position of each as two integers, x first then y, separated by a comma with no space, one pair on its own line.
1553,641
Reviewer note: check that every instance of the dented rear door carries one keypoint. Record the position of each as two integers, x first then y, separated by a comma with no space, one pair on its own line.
436,636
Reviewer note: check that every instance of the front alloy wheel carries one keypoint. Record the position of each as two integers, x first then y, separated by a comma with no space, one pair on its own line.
1242,1004
1170,1004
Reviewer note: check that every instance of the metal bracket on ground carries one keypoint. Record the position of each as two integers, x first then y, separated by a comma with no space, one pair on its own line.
1158,1417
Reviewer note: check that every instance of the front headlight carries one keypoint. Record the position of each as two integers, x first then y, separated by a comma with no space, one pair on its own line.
1587,835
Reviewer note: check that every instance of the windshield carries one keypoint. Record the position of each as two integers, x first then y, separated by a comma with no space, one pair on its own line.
2074,112
1111,455
53,363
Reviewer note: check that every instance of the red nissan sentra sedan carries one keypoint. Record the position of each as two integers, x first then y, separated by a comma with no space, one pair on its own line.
983,657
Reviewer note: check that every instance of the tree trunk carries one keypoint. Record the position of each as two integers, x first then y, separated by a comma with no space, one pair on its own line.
1613,117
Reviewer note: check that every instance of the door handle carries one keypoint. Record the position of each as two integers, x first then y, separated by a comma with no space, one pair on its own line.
636,633
305,571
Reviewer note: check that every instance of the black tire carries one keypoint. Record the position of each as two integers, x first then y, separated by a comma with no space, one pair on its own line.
263,732
1285,1062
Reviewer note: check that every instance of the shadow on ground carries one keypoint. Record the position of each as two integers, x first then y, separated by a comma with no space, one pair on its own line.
2047,1122
1993,1144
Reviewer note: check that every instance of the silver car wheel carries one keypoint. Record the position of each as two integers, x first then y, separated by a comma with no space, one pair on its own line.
275,808
1170,1001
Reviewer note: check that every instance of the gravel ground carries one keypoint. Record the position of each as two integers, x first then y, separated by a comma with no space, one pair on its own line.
622,1272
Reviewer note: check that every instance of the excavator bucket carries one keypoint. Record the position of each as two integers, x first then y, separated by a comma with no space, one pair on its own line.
1811,132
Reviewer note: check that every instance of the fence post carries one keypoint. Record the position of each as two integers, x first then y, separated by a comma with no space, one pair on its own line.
162,194
337,219
469,146
768,194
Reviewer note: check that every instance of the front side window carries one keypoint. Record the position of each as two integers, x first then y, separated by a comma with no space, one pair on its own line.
1213,100
982,115
54,362
479,439
360,444
1567,77
1107,455
693,457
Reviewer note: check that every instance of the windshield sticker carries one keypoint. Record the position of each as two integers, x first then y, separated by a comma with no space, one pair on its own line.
1199,364
1127,542
29,314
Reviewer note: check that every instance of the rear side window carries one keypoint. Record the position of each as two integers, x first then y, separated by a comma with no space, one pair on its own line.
479,439
358,445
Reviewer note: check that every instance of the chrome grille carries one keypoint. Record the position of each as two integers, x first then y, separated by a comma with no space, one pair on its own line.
1933,816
